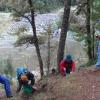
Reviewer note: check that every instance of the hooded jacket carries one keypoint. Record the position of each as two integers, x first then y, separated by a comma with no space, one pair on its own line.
30,78
64,64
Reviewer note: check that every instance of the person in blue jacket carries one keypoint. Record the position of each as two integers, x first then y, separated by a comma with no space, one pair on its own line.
98,51
6,83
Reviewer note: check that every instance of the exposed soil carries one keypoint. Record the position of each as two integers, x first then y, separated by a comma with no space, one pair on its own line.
82,85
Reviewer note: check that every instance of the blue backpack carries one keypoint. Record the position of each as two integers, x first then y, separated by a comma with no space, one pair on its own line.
21,71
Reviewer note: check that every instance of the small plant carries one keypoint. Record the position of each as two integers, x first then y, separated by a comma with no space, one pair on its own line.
8,68
39,96
91,62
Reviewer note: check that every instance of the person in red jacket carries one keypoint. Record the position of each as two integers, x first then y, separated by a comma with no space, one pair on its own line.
67,65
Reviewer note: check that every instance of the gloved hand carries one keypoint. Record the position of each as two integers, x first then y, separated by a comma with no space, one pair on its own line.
71,72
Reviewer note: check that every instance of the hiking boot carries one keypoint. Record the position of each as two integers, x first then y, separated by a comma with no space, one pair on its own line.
9,96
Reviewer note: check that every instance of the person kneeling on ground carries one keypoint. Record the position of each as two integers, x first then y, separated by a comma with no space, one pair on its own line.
26,80
6,82
67,65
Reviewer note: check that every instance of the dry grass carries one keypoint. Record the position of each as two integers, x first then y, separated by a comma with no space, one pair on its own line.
84,85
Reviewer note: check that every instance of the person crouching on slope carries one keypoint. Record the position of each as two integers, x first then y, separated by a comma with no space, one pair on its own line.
26,81
67,65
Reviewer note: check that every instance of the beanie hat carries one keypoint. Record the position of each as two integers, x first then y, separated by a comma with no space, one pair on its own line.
68,57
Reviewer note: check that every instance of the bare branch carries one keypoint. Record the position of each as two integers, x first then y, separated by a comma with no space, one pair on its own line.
19,13
25,39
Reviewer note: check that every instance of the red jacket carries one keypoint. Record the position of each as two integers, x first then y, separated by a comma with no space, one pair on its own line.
98,36
64,64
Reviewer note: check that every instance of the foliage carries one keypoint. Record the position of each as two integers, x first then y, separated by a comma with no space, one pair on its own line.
18,31
59,22
39,96
29,39
73,2
6,66
91,62
24,39
81,30
39,5
95,10
3,4
9,68
77,28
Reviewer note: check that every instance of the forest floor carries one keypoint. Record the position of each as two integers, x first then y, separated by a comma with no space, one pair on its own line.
81,85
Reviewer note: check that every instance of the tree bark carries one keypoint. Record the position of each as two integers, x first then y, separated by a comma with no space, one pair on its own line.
64,29
35,37
93,43
48,58
89,39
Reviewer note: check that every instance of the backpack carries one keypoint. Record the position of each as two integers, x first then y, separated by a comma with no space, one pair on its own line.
26,89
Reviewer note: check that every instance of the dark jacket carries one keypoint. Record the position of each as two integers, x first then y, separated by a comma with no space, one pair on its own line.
30,77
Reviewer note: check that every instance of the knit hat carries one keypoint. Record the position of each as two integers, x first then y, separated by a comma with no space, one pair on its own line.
68,57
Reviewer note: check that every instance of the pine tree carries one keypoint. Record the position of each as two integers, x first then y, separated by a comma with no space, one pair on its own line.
64,29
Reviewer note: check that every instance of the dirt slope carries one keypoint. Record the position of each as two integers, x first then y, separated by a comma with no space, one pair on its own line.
82,85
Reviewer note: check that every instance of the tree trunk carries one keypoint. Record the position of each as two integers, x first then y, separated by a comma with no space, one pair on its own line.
64,30
48,58
93,43
36,39
89,39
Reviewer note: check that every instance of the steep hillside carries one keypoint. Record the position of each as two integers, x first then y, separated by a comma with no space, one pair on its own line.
81,85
